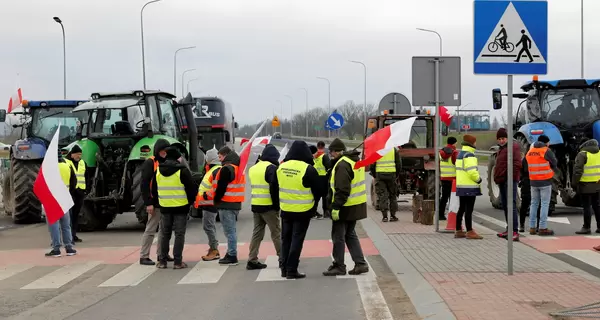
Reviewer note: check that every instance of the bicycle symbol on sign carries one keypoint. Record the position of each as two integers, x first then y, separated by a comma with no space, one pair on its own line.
500,42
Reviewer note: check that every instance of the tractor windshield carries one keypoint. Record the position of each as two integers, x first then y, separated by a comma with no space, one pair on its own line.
45,121
573,107
126,121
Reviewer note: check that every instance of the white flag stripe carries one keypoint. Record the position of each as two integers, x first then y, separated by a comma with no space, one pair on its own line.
283,152
52,177
62,276
204,272
272,271
130,277
13,269
400,133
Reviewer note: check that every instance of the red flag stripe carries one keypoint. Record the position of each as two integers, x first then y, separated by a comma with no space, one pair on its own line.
53,209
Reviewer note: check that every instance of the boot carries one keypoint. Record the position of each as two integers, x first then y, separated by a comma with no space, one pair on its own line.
532,231
393,217
460,234
472,235
385,216
546,232
359,269
335,270
213,254
584,230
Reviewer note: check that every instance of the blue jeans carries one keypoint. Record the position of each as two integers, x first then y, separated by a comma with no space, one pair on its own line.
538,194
504,198
62,226
229,228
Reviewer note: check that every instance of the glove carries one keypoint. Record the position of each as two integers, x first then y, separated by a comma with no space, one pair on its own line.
335,214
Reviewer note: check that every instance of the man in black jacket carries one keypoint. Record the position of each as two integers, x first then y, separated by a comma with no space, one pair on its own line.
265,204
322,164
73,158
151,201
299,185
175,195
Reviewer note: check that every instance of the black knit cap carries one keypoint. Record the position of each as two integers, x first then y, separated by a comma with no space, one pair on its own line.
543,138
76,149
313,149
337,145
224,150
451,140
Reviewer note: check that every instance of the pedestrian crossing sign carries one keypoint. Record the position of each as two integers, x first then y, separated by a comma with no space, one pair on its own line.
510,37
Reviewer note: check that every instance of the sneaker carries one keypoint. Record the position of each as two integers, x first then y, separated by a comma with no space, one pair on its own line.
229,261
521,229
71,252
327,214
161,265
53,254
393,218
545,232
359,269
147,262
213,254
515,236
384,219
170,259
319,216
255,265
532,231
77,239
584,231
181,265
283,273
335,270
502,235
295,275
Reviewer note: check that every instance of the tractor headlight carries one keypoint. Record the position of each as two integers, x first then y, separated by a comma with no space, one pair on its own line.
139,93
43,104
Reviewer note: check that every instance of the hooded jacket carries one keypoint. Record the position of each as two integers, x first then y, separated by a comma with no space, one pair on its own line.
590,146
449,151
501,169
299,151
270,154
227,176
168,168
551,158
344,173
150,196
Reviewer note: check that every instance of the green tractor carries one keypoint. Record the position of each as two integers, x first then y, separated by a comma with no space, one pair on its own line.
117,137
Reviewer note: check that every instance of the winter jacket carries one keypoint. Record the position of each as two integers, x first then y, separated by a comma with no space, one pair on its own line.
72,178
227,176
150,196
168,168
397,162
449,151
501,169
270,154
344,173
214,175
299,151
551,158
590,146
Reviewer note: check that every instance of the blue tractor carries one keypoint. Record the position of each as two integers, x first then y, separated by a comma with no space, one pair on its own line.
568,112
38,121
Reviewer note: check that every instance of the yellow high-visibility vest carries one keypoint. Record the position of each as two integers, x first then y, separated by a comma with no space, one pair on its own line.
467,174
320,166
358,191
591,169
260,188
171,192
65,173
293,196
206,186
387,163
447,168
79,172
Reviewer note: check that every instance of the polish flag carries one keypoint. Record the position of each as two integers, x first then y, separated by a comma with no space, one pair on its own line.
246,155
48,186
283,153
385,140
15,101
445,116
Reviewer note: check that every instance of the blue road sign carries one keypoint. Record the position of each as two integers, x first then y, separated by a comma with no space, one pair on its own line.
335,121
511,37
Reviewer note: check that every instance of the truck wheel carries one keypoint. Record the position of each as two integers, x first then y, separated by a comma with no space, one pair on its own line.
138,201
493,189
8,195
27,207
374,201
89,220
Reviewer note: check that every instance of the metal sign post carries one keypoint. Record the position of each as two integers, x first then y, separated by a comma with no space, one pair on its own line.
436,145
510,182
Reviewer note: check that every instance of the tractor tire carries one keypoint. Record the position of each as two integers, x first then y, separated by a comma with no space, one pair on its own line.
138,200
8,195
89,220
27,207
493,189
374,199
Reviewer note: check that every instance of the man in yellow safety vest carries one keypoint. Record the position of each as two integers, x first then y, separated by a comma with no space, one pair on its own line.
73,158
586,175
209,211
385,171
348,198
322,164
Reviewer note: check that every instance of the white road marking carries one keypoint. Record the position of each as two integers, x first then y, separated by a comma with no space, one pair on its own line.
13,269
62,276
130,277
536,237
490,219
239,244
587,256
204,272
592,237
562,220
272,272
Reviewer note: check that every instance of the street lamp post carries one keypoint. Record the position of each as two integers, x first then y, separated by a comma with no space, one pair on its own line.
142,32
306,100
188,83
57,19
439,36
329,103
582,54
182,78
365,105
291,115
175,68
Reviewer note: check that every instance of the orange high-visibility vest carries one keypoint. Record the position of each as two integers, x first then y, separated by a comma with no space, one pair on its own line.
236,189
155,168
206,186
539,167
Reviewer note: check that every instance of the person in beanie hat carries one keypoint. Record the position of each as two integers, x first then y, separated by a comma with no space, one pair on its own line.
209,212
541,164
73,158
447,173
585,181
467,187
501,177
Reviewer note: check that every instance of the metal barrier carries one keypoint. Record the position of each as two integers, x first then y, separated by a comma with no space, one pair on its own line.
591,311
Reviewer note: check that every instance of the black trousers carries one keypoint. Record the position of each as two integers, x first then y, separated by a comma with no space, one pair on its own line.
446,193
325,186
590,205
293,232
172,223
77,204
466,207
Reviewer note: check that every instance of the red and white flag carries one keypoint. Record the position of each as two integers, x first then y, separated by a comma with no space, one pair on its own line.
49,186
385,140
445,116
15,101
283,153
245,155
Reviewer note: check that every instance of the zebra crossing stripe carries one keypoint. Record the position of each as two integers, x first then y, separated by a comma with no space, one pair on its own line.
13,269
271,272
590,257
130,277
204,272
62,276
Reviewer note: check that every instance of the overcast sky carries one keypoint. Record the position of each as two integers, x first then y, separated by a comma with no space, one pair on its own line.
253,52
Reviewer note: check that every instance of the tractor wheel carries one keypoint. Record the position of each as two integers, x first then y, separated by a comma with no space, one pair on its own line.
138,200
374,201
90,220
493,189
8,194
27,207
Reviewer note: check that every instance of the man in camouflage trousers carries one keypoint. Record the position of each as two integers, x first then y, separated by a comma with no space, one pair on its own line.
385,171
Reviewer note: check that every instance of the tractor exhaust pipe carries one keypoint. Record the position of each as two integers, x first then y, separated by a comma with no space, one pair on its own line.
186,104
